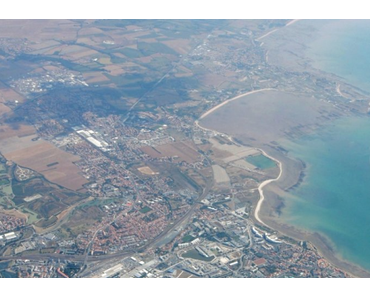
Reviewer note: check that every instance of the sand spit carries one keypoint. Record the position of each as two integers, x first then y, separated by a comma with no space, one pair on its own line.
230,100
263,184
273,31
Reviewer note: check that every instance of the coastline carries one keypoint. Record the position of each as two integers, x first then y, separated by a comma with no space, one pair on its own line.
230,100
289,176
265,183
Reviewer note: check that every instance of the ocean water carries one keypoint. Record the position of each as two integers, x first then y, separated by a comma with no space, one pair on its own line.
334,198
343,48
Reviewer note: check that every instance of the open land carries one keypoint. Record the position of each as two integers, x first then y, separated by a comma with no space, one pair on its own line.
147,170
43,157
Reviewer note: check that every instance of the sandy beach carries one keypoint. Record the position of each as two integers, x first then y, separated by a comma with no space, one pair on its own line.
213,109
263,184
273,31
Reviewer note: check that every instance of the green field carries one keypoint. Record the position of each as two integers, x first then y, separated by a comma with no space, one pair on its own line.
2,169
4,181
261,162
187,238
32,217
5,200
145,209
7,189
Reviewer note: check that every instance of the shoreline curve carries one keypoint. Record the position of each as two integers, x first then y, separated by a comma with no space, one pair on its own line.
264,183
316,240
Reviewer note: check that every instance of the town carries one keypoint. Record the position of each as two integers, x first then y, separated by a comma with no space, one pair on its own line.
105,171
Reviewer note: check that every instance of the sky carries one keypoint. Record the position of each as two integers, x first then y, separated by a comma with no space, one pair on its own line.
169,9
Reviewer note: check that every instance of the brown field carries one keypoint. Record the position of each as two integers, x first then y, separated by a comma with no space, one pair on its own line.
146,59
184,74
94,77
186,104
228,73
147,170
149,40
185,150
131,64
14,212
151,152
86,40
119,55
73,52
17,145
47,50
105,60
213,80
132,27
4,109
183,70
21,131
43,47
220,154
183,274
7,94
84,54
70,49
118,35
182,46
90,31
50,68
115,69
132,36
220,175
38,30
38,70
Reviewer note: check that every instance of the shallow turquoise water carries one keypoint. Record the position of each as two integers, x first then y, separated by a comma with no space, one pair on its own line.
261,162
334,198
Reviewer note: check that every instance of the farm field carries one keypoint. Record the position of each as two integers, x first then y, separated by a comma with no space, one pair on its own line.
56,165
184,151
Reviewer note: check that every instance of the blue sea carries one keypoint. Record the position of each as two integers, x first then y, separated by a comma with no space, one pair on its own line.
334,198
343,48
